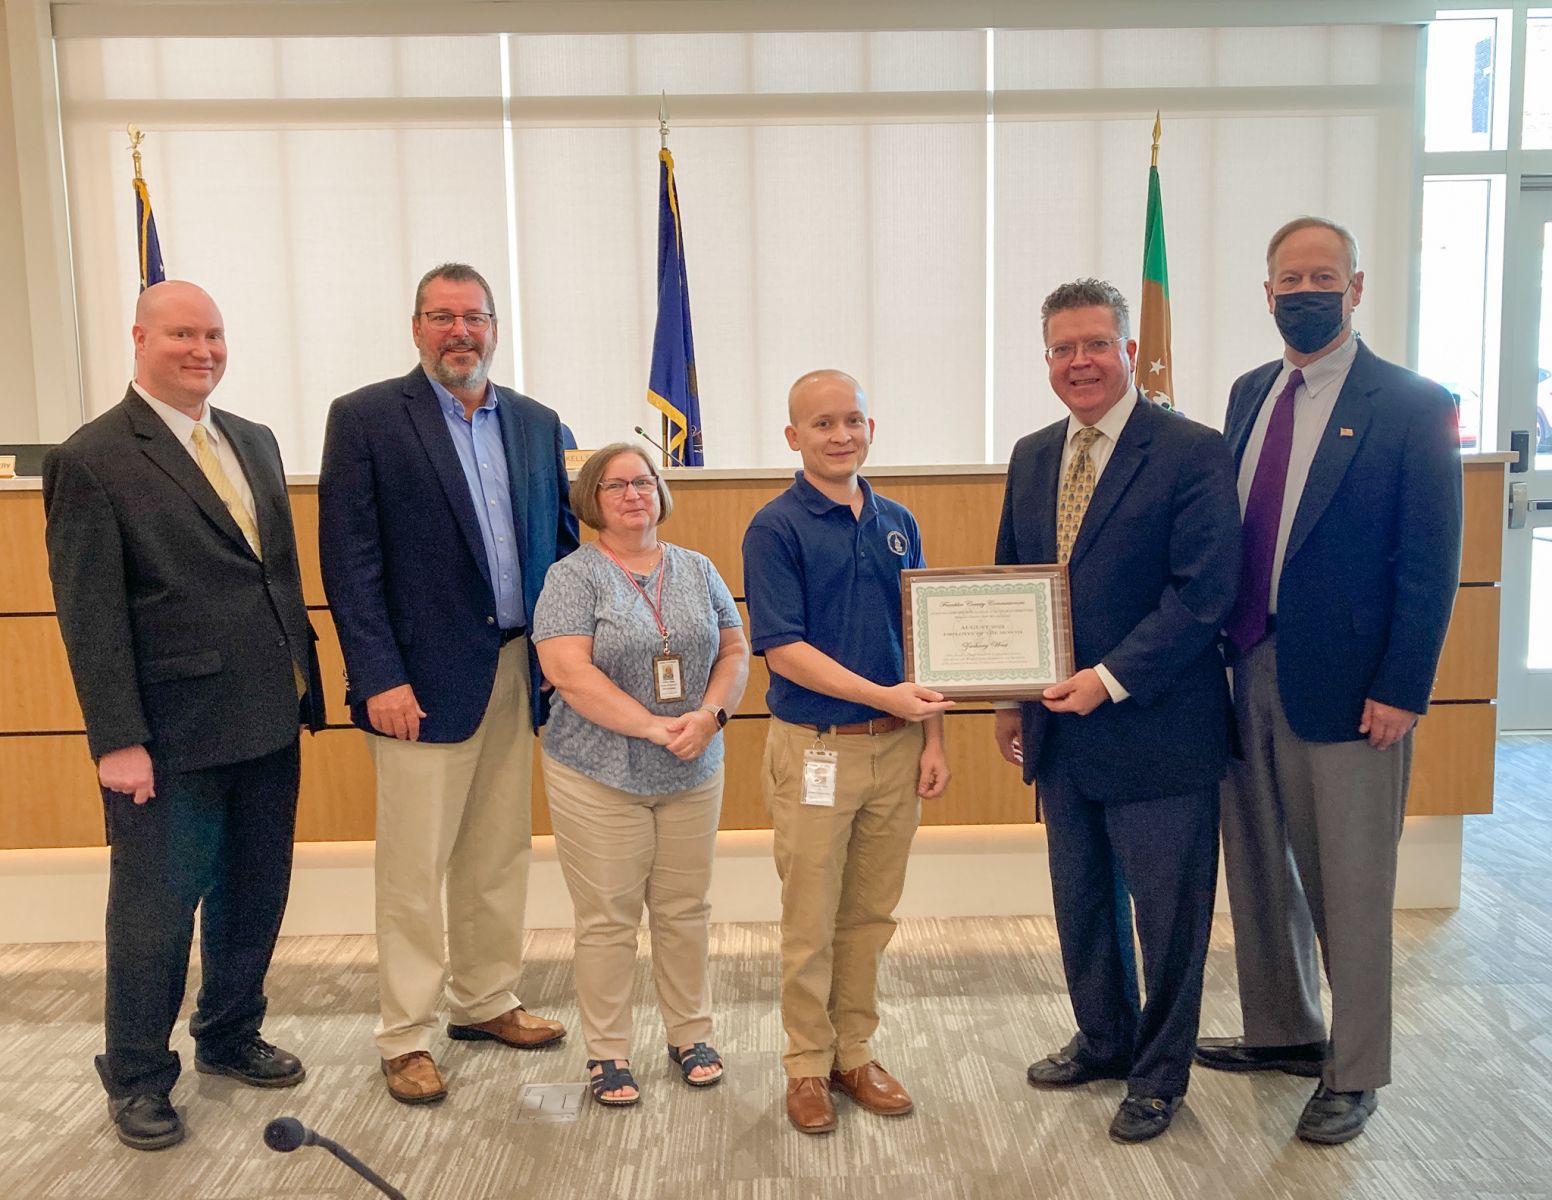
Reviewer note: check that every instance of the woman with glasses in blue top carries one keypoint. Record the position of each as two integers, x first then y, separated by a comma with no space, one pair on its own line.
647,654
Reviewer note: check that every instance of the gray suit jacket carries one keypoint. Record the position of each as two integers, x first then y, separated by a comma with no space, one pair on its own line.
179,637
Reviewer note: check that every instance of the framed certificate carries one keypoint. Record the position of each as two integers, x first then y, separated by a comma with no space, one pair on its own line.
987,633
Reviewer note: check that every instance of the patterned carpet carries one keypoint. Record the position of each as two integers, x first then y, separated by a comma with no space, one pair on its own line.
968,1004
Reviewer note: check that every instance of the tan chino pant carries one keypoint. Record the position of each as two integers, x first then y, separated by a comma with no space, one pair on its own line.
842,871
458,813
617,851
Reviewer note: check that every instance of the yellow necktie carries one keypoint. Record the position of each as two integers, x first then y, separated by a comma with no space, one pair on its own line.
1077,490
205,455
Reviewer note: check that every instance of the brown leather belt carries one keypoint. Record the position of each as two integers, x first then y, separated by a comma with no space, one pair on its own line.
876,726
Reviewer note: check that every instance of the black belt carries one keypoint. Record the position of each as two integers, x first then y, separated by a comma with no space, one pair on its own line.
511,635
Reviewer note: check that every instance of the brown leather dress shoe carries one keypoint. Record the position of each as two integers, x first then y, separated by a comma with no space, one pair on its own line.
515,1027
809,1106
874,1088
413,1078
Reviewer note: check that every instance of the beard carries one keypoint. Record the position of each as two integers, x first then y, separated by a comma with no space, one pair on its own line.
451,377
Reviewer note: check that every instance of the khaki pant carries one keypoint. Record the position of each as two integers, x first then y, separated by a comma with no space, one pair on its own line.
461,813
842,871
619,850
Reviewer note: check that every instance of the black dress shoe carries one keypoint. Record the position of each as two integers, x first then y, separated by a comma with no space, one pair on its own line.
255,1062
1331,1118
146,1122
1069,1067
1142,1117
1232,1054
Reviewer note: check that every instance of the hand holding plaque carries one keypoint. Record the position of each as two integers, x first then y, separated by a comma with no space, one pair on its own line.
988,633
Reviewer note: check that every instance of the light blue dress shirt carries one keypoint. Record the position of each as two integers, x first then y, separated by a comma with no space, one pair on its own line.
482,454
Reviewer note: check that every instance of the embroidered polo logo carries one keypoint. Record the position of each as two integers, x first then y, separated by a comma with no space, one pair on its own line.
896,542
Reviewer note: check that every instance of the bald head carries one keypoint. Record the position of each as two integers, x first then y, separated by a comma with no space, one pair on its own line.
828,425
180,345
824,382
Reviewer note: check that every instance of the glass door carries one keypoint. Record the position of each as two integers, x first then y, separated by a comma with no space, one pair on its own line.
1525,404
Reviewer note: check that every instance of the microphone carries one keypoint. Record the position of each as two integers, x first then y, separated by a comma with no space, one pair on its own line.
673,461
285,1134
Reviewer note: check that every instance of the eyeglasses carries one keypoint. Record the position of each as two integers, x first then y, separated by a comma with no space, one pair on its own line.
474,322
641,485
1093,348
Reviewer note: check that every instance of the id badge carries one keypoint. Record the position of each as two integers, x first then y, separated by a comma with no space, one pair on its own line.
668,677
819,767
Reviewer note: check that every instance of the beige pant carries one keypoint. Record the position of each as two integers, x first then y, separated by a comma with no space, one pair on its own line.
842,871
618,850
460,813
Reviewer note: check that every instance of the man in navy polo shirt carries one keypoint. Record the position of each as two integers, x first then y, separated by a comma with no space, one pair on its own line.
852,749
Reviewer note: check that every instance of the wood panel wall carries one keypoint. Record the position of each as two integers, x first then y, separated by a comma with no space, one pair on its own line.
50,798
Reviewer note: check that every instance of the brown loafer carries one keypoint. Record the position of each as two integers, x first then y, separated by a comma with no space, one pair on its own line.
874,1089
413,1078
809,1106
515,1027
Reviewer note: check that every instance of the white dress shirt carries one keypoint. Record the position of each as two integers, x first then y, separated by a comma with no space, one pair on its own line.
182,426
1109,427
1100,450
1313,404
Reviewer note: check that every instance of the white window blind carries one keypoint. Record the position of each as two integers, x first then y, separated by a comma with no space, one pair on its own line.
846,202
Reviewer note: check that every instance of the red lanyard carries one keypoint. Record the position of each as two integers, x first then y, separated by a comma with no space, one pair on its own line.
657,606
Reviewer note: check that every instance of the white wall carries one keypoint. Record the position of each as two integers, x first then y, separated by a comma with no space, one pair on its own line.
18,407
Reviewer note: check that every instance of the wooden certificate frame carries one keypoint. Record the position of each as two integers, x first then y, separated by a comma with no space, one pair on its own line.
987,633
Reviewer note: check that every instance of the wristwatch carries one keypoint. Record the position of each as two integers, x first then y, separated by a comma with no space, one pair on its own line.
717,711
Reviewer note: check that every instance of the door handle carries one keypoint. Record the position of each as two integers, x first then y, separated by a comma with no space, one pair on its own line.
1519,504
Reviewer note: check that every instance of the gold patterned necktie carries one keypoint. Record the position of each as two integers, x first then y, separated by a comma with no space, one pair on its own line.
1077,490
205,455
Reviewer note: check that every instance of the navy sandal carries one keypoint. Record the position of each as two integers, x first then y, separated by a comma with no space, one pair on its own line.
610,1079
698,1055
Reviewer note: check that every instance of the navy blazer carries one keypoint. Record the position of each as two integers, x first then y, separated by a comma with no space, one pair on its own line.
180,637
1152,576
1373,559
403,562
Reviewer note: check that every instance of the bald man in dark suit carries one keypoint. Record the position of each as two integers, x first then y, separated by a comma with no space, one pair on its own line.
180,602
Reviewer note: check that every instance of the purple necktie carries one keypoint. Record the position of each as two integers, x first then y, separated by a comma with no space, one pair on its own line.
1263,517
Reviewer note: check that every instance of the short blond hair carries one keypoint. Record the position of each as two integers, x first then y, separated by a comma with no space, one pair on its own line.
584,493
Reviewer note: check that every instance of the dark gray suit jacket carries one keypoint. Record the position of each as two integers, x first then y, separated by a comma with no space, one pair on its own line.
179,637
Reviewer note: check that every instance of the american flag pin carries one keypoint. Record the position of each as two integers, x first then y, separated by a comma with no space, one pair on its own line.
1344,431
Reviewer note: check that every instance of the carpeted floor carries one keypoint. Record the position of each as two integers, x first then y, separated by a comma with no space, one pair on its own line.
968,1003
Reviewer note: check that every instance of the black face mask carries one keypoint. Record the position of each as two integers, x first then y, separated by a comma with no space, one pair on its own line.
1308,320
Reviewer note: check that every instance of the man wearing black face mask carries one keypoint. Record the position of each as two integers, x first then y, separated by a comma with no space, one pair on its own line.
1350,485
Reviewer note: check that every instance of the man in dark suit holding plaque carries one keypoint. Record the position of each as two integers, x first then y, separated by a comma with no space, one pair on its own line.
180,603
1127,753
1349,474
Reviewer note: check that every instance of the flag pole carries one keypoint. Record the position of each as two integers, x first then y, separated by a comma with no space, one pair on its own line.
135,138
664,427
1155,366
148,247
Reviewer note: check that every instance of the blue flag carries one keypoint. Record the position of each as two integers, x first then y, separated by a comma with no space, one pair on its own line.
672,389
148,247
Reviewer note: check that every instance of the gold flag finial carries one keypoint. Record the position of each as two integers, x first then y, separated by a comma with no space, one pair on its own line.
1158,128
135,138
662,119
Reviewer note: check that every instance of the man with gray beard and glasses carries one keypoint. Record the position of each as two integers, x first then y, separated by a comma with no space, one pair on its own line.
442,503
